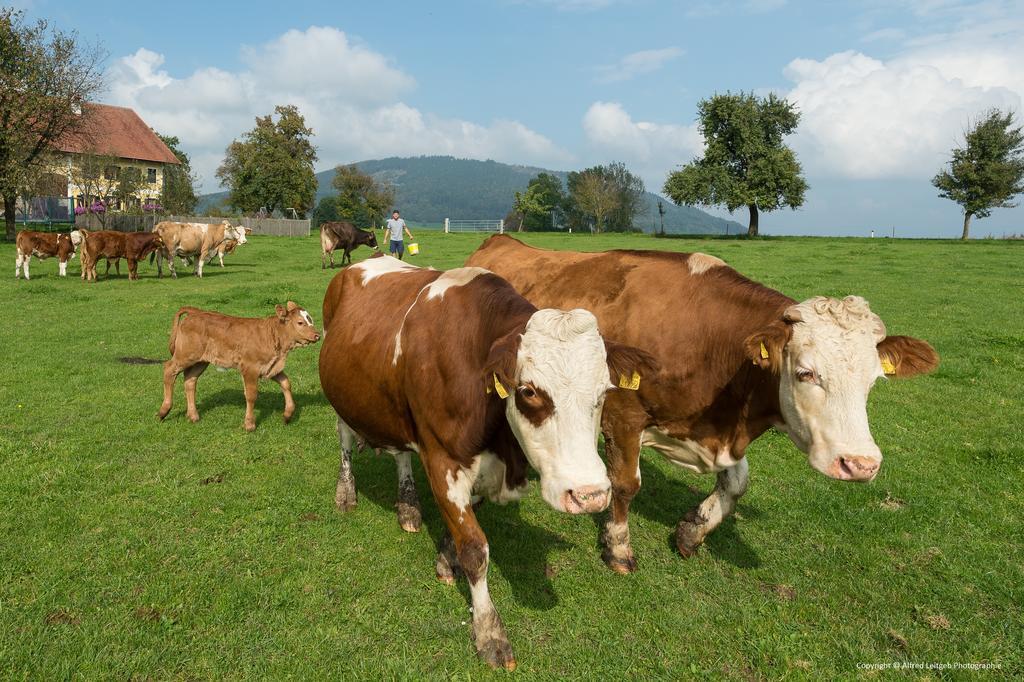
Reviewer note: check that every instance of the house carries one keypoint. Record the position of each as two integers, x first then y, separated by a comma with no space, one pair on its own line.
115,159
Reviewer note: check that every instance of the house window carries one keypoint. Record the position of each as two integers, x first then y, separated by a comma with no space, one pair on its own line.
110,172
151,175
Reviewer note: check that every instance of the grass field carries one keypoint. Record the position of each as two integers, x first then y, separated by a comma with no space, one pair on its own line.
131,548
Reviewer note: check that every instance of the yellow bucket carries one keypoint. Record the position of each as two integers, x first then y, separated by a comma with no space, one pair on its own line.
414,249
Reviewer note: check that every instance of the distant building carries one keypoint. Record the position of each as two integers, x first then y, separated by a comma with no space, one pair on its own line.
126,145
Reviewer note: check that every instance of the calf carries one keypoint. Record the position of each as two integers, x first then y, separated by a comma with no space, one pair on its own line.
459,368
113,246
199,240
257,347
44,245
345,236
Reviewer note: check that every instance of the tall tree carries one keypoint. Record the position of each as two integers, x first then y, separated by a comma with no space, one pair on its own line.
596,196
630,189
46,78
361,199
178,194
745,161
987,172
538,207
271,167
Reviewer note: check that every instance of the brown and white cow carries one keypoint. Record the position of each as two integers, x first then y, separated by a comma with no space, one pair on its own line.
256,346
737,358
343,235
197,240
461,369
226,247
113,246
44,245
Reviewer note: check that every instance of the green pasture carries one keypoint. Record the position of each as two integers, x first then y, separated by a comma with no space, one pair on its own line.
134,549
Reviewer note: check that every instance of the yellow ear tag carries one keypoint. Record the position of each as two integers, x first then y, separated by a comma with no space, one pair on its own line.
631,384
887,366
502,393
764,352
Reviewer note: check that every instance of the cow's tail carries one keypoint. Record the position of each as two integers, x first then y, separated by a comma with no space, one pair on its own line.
184,310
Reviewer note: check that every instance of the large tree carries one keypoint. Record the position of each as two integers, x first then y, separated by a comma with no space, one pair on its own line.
987,172
538,207
46,78
178,194
271,167
620,200
595,195
362,199
745,161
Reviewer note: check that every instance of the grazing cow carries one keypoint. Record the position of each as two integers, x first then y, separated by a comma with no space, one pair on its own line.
44,245
198,240
256,346
461,369
345,236
737,358
113,246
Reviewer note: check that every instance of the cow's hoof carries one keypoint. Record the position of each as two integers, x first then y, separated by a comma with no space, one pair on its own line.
623,565
287,418
194,418
345,498
446,568
162,414
250,426
492,643
688,539
409,517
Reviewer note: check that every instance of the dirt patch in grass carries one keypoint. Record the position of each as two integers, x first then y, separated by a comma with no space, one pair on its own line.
216,478
784,592
135,360
62,616
892,503
149,614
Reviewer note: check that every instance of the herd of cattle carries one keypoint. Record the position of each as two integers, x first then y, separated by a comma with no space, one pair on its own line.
524,356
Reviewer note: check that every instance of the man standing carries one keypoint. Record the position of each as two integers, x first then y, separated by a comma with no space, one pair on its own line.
395,227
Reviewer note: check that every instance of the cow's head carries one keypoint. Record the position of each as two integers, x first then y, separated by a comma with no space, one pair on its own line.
828,354
236,232
298,326
553,378
76,238
370,239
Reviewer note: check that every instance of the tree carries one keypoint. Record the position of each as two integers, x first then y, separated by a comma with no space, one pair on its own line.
745,162
271,167
97,179
361,198
528,204
46,78
988,171
630,189
178,194
326,211
596,196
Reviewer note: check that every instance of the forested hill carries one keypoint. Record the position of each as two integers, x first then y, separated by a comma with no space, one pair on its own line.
432,188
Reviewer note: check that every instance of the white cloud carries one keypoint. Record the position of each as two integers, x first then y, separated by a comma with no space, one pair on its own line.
350,95
648,149
637,63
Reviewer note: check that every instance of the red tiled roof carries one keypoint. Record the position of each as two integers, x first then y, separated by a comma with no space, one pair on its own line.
117,131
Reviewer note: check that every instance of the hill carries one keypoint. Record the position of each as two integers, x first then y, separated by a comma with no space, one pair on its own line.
432,188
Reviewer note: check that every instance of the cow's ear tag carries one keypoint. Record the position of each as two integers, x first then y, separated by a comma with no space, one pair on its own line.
631,383
764,352
887,366
499,389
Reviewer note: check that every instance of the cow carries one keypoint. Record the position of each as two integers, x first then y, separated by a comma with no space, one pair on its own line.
256,346
113,246
44,245
226,247
345,236
737,358
199,240
459,368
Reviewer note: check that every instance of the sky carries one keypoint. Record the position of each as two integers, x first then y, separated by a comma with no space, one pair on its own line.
885,88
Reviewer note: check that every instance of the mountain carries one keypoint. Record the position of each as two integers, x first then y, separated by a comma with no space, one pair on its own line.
432,188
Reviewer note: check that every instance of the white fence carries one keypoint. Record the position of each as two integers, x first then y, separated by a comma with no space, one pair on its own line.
279,227
474,225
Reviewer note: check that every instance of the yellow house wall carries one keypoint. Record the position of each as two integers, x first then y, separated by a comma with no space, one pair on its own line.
64,166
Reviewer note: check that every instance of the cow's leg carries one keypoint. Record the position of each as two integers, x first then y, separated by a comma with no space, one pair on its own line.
345,492
171,371
622,450
452,487
199,263
191,378
447,565
133,269
24,264
286,388
220,255
170,266
63,268
250,381
18,258
706,516
409,517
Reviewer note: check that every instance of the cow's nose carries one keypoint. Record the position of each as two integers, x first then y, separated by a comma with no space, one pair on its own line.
586,499
858,467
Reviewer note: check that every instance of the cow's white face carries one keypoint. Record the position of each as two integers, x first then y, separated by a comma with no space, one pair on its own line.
76,238
554,408
236,232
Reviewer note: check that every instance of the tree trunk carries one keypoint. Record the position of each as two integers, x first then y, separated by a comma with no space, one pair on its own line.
967,223
9,217
752,228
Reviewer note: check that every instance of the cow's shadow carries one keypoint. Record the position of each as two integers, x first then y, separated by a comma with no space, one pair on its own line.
518,548
666,500
269,401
